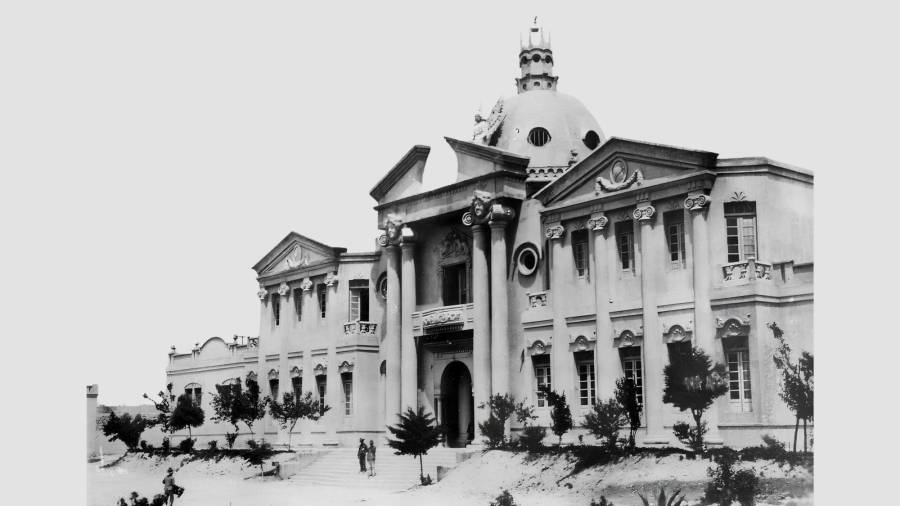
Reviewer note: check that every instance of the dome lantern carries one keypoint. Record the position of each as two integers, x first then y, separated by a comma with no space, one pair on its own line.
536,62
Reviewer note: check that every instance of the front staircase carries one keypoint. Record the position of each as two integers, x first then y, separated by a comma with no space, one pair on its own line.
339,467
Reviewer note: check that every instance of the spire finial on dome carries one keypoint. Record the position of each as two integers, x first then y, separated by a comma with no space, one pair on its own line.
536,61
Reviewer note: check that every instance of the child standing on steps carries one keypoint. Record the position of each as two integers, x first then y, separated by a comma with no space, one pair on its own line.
370,457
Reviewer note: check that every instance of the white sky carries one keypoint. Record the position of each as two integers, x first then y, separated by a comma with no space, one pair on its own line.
159,149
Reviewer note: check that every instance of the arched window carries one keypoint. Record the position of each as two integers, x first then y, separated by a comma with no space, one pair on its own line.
195,392
538,136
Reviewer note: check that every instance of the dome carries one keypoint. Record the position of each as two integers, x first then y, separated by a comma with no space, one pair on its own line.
547,126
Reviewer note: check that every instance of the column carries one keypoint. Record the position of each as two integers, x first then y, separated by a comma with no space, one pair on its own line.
481,335
654,348
704,330
93,437
391,340
499,311
606,357
408,359
288,324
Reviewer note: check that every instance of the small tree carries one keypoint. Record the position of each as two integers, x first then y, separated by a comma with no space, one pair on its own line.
692,383
163,407
290,411
626,396
186,415
502,408
125,428
560,415
415,434
796,382
234,404
605,421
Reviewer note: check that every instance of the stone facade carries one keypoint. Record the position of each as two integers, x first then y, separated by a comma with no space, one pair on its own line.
587,266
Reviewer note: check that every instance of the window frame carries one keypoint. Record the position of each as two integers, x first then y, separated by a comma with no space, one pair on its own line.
464,291
322,296
322,390
347,380
275,300
739,217
587,388
297,294
674,219
359,289
543,376
581,253
625,229
744,401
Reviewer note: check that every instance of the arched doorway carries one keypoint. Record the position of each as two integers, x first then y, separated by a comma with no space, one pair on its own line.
457,404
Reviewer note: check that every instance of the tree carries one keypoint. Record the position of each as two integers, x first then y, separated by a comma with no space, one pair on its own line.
560,415
186,415
416,433
163,408
233,404
125,429
797,383
290,411
605,421
693,383
502,407
626,395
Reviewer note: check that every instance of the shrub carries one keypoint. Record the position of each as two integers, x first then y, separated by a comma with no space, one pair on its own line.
771,449
230,438
692,437
258,453
727,485
504,499
166,445
125,429
626,396
605,421
674,500
603,502
416,433
532,437
213,445
426,480
186,445
560,413
252,444
493,429
692,383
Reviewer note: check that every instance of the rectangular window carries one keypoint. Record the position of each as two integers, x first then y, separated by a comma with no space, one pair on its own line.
541,378
359,300
673,221
584,364
276,308
297,384
455,284
194,394
320,386
633,369
738,359
347,380
298,303
740,230
580,252
625,244
321,292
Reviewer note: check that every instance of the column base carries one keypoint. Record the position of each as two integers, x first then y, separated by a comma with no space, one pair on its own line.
713,439
657,439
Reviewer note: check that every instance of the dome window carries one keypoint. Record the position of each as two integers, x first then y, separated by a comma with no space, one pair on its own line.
548,59
537,84
538,136
591,140
536,58
523,60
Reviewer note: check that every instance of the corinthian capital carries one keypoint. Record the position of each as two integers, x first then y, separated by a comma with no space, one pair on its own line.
554,232
644,213
696,202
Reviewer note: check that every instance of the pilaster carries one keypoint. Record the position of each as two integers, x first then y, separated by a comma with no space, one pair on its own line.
606,358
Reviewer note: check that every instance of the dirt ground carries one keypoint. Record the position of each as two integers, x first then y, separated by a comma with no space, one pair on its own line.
543,481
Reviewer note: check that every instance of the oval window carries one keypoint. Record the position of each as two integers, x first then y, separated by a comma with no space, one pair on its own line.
382,285
536,58
591,140
538,136
527,260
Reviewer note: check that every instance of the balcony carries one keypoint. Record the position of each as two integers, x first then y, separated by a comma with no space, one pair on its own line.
748,271
360,328
443,319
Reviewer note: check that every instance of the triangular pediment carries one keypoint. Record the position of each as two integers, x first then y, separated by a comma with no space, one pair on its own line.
622,165
295,252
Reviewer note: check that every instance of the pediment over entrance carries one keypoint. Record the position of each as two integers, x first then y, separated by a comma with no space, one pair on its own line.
295,252
622,166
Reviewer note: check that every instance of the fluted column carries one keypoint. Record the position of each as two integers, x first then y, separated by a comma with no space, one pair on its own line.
606,358
408,358
704,331
391,340
499,310
481,338
654,348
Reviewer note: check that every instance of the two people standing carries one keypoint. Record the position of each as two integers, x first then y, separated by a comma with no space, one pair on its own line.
366,454
361,455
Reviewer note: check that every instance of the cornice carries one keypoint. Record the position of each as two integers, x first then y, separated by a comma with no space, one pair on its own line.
457,186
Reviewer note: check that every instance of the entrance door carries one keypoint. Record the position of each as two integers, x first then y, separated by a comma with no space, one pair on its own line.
457,404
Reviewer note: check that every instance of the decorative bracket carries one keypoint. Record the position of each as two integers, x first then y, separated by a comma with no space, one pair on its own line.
262,293
597,222
306,285
330,279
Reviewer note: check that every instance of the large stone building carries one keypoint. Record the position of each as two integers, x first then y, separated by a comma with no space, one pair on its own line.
559,257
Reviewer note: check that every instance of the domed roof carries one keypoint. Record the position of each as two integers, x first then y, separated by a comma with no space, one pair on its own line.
567,126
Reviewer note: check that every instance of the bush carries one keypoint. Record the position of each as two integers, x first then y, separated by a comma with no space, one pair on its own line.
137,500
493,431
186,445
727,485
771,449
258,453
692,437
213,445
504,499
603,502
605,421
426,480
166,445
532,437
230,438
661,500
125,429
252,444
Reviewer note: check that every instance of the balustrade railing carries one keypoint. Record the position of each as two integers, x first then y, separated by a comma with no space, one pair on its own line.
360,328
